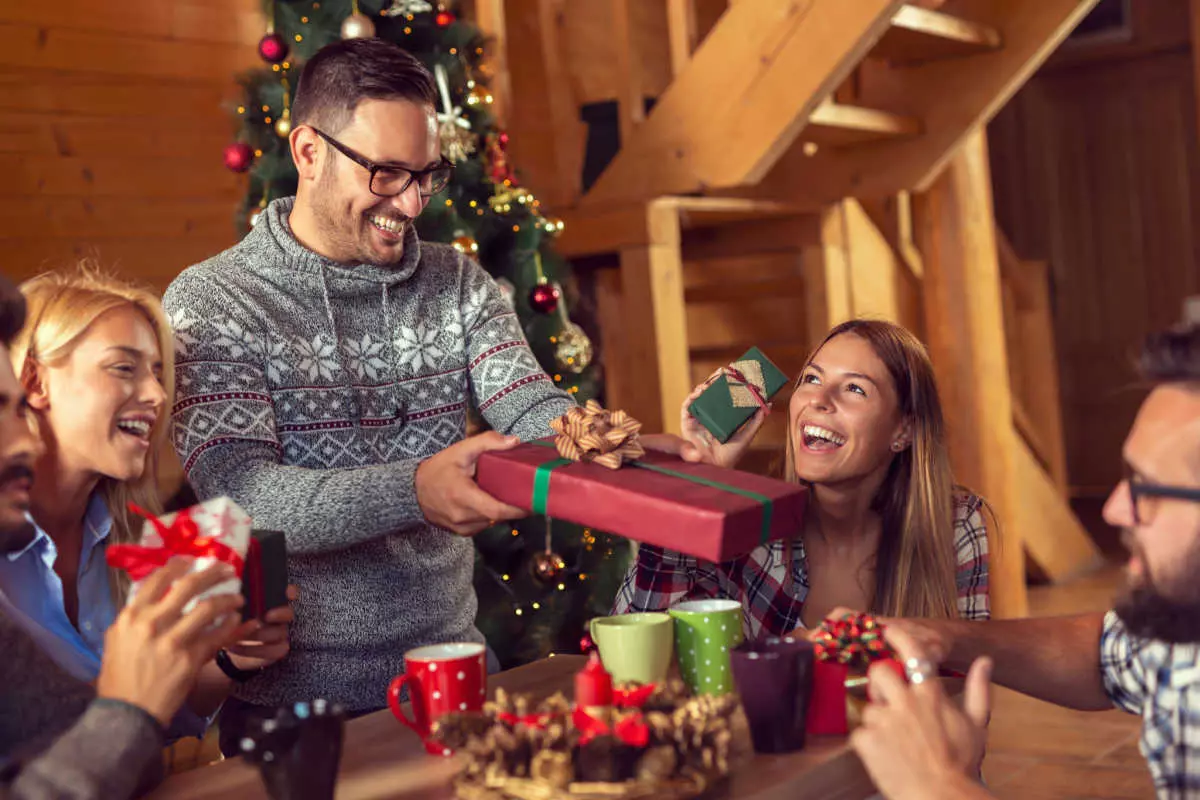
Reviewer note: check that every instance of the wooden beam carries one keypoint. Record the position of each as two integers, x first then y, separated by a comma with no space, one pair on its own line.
828,298
744,97
631,96
489,17
965,334
1052,535
920,34
1195,25
950,97
547,136
839,125
893,217
881,286
655,376
681,29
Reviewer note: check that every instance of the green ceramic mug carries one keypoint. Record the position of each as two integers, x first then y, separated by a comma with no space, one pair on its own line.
635,647
705,632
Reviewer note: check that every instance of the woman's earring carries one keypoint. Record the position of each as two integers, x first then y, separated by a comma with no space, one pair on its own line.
897,447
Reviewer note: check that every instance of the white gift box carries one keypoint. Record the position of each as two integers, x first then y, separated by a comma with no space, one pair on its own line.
219,519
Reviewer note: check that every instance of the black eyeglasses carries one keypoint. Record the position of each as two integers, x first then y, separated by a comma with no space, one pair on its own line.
1142,493
388,180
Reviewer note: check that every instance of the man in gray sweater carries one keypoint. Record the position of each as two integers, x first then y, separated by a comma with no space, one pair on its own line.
324,367
60,737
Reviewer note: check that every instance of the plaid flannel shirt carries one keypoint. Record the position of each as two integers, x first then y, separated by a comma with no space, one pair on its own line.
658,578
1156,680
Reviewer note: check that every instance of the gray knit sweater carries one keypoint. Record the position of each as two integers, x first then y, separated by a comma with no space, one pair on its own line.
309,392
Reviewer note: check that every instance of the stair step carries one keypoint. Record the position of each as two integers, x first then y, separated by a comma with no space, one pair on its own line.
746,290
919,35
839,125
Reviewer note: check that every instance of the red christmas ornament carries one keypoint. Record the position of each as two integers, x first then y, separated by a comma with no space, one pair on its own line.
585,643
238,157
444,18
544,298
272,48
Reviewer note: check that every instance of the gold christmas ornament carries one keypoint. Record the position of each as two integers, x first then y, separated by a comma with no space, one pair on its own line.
465,245
572,349
283,126
358,26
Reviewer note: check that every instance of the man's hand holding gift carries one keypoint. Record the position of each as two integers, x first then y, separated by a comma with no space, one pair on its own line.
914,741
447,492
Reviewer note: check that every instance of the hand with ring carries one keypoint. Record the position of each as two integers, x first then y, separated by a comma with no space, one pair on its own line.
914,738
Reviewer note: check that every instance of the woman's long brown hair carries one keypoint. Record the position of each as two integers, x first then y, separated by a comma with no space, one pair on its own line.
915,562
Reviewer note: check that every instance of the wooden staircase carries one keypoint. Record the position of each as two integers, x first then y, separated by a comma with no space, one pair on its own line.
813,161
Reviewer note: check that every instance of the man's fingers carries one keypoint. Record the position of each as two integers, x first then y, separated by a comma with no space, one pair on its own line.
280,616
293,592
905,644
977,692
469,449
884,685
267,634
192,624
183,590
156,585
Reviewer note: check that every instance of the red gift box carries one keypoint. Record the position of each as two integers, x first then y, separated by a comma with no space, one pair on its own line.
831,705
659,499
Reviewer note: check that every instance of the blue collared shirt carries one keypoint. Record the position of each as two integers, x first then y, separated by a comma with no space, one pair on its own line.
35,591
32,594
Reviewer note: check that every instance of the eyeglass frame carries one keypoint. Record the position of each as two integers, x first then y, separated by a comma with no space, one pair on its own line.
373,167
1139,487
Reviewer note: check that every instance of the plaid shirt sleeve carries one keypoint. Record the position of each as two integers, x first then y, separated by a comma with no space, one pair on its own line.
1121,668
971,552
659,578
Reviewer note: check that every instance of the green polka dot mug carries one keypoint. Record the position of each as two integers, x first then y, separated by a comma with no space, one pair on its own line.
705,632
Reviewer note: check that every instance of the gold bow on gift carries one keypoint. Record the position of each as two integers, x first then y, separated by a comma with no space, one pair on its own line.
596,436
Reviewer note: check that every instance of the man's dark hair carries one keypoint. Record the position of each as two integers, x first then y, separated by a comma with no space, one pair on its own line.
1172,356
343,74
12,311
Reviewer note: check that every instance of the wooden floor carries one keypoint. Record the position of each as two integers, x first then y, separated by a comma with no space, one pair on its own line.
1037,750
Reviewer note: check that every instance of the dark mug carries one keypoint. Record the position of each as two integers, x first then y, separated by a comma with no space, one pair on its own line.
774,678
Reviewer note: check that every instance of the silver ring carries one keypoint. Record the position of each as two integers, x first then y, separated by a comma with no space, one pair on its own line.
918,670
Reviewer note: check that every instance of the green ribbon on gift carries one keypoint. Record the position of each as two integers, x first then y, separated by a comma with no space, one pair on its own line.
541,487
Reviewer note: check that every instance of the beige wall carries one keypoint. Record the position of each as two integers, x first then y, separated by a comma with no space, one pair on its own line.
111,129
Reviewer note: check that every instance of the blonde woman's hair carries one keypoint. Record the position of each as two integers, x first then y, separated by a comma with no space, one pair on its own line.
915,564
61,307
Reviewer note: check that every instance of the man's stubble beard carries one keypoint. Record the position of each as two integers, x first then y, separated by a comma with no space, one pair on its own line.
1152,610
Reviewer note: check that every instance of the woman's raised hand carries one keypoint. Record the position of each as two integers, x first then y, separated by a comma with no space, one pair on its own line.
701,447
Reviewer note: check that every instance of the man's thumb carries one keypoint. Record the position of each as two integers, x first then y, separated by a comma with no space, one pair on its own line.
473,446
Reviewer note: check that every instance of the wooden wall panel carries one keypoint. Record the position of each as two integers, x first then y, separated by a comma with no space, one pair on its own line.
112,121
1097,171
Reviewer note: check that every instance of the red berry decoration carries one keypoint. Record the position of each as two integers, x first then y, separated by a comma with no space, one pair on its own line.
272,48
444,18
238,157
544,298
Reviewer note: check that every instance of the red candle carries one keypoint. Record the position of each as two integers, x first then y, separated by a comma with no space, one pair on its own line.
593,685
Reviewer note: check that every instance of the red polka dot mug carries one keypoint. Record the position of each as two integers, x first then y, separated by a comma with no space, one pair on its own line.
440,678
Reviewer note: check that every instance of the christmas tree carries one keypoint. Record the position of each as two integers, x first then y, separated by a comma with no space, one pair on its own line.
537,582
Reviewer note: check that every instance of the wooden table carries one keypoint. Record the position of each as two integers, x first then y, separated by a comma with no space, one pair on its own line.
383,760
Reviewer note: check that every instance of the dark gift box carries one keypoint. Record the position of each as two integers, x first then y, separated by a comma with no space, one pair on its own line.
265,578
705,511
732,399
298,750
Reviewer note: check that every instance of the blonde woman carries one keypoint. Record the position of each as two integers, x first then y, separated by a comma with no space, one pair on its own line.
886,530
95,359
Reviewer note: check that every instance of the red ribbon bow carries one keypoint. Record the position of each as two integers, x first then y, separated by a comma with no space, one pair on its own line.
631,729
855,640
633,698
740,379
181,538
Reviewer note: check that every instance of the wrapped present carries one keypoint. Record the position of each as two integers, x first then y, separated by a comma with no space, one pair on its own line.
265,580
845,649
214,531
595,473
744,387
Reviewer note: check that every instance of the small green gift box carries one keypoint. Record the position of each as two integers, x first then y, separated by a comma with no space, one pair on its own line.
732,399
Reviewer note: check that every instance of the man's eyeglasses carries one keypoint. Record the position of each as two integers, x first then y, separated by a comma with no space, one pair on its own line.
388,180
1142,495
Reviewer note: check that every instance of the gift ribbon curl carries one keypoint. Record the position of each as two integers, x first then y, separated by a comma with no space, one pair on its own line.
595,435
855,640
